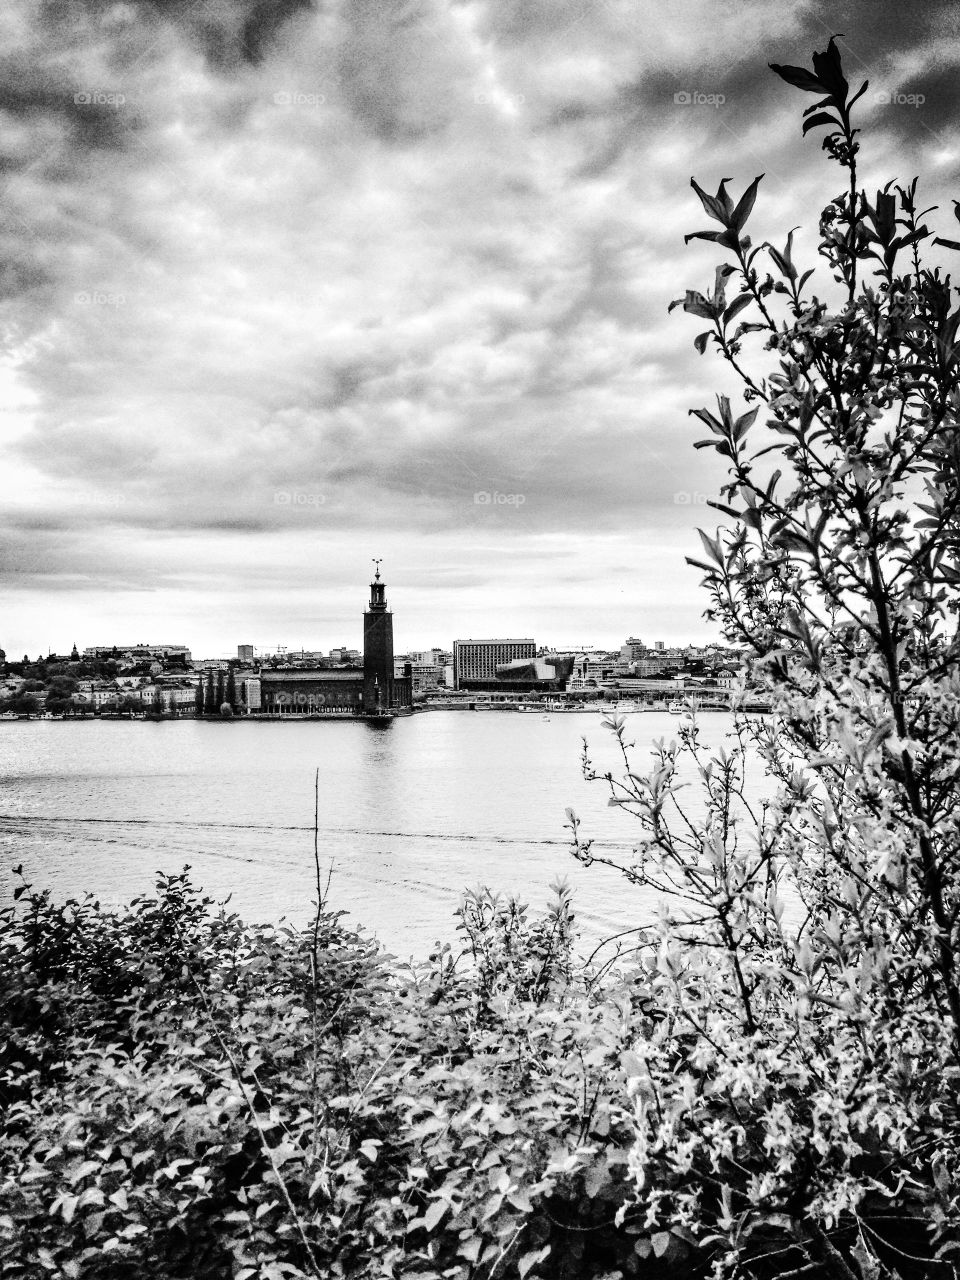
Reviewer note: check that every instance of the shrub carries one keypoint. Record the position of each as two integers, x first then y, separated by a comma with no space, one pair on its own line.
795,1108
186,1095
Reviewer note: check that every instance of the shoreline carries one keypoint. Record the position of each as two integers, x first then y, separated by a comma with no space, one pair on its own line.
334,717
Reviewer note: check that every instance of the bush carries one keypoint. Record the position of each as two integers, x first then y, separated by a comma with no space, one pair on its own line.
186,1095
796,1108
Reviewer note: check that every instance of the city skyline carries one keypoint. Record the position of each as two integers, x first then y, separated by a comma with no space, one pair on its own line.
285,288
243,652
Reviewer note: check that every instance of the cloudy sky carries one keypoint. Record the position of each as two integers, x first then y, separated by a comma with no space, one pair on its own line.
285,286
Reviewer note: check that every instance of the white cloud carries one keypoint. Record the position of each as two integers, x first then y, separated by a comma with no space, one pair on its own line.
382,256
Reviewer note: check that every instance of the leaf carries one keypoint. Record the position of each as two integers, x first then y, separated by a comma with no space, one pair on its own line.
529,1260
630,1064
828,69
713,236
886,219
822,117
718,207
699,564
712,546
433,1214
596,1179
68,1207
744,423
745,205
859,94
661,1242
697,305
799,77
741,329
82,1170
735,307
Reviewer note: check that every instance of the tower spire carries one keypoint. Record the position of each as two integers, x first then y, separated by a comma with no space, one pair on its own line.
378,599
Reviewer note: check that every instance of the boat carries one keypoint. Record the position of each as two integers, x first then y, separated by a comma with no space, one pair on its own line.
561,708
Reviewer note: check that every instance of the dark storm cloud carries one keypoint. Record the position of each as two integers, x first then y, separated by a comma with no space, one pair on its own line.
230,32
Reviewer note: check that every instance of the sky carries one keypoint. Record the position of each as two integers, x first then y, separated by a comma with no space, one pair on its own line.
286,286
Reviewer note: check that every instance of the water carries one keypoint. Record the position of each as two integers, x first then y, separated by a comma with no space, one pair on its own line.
410,815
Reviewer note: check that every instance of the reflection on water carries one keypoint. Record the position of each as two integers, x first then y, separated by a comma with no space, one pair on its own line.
410,815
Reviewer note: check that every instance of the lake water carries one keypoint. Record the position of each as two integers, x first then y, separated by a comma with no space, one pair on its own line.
410,815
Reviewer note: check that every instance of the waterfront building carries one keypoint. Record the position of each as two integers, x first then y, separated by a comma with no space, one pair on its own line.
427,675
590,671
248,691
475,662
371,688
532,675
245,653
654,665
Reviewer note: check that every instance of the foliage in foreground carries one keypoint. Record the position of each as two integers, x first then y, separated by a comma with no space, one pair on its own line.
797,1106
186,1095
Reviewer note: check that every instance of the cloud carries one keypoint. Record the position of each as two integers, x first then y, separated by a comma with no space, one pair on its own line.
284,283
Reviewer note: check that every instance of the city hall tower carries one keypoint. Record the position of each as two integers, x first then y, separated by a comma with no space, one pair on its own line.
378,693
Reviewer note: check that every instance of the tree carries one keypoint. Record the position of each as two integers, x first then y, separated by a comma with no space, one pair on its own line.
230,692
796,1093
221,690
198,698
160,705
24,704
209,696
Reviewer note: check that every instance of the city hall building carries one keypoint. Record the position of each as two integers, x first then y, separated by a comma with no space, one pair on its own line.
371,690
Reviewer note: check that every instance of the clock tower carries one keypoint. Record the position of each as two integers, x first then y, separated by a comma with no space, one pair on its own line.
377,650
